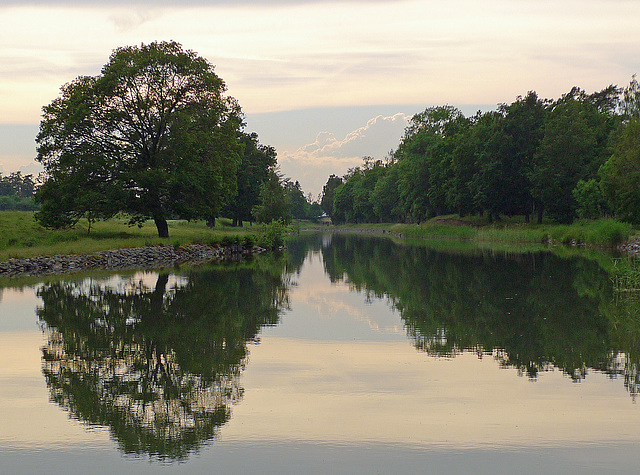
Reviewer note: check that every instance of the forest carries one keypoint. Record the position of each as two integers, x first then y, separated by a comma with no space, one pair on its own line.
574,157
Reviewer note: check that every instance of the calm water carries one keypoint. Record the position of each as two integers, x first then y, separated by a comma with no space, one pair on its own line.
353,355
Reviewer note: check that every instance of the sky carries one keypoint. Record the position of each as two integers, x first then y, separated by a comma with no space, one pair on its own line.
324,82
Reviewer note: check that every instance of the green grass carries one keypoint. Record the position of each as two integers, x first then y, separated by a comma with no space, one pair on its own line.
602,232
21,236
626,276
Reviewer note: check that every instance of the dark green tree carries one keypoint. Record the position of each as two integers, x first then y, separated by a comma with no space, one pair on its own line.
296,201
620,175
590,201
273,204
424,159
153,132
573,148
386,197
326,202
630,101
257,160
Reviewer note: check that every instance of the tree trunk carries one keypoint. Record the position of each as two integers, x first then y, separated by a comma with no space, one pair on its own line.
211,222
158,295
540,211
163,227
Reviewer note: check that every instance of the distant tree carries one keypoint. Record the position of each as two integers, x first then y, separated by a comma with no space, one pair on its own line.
621,174
326,202
16,192
424,160
630,102
253,170
296,201
386,198
17,184
343,199
153,133
573,148
273,203
590,202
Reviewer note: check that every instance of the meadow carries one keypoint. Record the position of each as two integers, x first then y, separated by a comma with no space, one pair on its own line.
21,236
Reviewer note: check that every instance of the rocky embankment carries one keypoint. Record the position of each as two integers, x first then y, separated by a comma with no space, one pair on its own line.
631,247
149,257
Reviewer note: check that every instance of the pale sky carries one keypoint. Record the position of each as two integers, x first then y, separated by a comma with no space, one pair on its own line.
324,82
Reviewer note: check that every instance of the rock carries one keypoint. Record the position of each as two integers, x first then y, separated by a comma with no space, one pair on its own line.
132,258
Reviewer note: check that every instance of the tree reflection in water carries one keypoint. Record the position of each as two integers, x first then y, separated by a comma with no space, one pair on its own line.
158,365
530,311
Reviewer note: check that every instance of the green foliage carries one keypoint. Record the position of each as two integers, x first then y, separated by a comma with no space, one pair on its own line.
630,102
256,162
249,241
621,174
296,201
273,204
17,203
271,236
328,190
626,275
603,232
590,202
153,136
18,185
531,157
22,236
573,148
158,365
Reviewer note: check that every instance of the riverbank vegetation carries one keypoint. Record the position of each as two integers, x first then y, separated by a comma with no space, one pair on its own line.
22,236
577,157
599,233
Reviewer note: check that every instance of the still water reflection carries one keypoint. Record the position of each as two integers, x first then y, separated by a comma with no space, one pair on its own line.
349,355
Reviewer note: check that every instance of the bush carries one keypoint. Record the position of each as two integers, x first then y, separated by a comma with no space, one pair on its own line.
248,241
230,240
272,235
602,232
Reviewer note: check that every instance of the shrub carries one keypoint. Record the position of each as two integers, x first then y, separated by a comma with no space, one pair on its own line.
248,241
230,240
272,235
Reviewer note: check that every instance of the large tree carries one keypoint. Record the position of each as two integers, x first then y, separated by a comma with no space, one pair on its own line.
256,163
154,135
621,174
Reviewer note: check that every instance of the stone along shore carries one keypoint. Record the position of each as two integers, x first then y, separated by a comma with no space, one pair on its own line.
148,257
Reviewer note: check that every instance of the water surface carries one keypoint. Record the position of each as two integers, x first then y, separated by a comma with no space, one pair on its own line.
348,355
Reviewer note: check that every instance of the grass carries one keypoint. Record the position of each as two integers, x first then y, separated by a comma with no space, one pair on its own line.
626,275
601,233
21,236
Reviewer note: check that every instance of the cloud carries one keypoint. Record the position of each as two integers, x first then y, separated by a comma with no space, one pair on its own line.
377,137
127,20
312,163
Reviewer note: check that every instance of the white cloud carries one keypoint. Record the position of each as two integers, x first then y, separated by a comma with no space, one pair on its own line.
127,20
312,163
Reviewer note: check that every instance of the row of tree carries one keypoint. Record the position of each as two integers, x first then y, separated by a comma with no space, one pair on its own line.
16,192
153,136
577,156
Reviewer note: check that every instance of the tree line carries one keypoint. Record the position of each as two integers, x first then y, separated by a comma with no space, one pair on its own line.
16,192
574,157
154,136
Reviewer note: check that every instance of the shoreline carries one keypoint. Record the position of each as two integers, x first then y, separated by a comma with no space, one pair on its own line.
629,248
146,257
164,255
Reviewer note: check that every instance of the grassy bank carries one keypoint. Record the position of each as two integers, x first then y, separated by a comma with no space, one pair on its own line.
21,236
626,276
604,232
